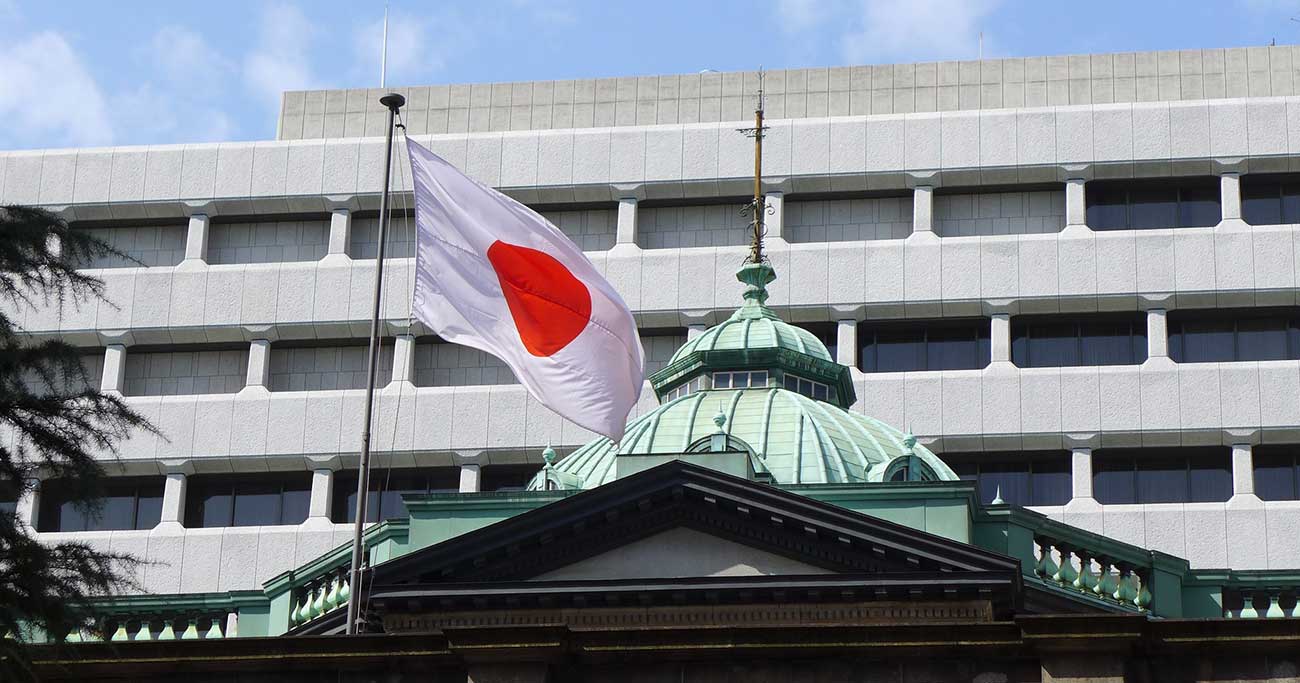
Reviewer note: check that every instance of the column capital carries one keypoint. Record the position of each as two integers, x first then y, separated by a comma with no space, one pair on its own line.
1229,166
1076,172
633,191
915,179
182,466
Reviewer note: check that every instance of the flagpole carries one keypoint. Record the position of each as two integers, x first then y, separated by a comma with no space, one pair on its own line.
394,102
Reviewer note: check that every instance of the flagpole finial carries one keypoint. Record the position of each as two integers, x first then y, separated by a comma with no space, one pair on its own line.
393,101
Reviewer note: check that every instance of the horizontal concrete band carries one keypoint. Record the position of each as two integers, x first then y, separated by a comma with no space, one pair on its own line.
692,160
921,276
1001,407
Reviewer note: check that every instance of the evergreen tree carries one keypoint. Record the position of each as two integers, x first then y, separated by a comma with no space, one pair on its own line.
53,423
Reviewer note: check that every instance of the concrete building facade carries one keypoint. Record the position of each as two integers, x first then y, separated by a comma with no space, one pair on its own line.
1071,277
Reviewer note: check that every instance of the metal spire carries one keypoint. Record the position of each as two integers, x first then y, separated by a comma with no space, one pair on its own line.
757,208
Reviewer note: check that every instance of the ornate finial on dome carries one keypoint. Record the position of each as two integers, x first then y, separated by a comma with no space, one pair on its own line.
720,419
549,456
997,497
757,276
909,443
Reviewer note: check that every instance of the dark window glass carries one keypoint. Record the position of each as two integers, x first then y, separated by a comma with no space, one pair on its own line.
1277,472
8,498
128,503
1029,478
1270,200
924,345
1153,204
1261,202
506,477
384,500
1162,475
247,500
1198,207
827,333
1226,336
1067,341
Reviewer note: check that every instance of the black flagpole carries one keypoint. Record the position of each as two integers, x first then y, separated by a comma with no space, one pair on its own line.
394,102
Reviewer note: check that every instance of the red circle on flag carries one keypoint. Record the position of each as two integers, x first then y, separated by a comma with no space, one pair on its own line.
549,305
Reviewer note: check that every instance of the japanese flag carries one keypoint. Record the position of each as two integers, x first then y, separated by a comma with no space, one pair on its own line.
492,274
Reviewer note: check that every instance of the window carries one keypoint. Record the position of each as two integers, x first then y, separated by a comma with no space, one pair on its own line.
1270,200
1149,204
1277,472
266,499
826,333
807,387
1032,478
128,503
8,498
924,345
1226,336
386,489
742,379
1161,475
1071,340
684,389
506,477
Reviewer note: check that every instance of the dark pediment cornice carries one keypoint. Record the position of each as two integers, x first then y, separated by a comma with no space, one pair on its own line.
678,494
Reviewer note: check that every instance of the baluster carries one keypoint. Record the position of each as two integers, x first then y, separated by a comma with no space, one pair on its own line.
191,629
318,606
1105,579
1248,610
1084,581
120,634
214,631
1065,573
1143,597
168,632
332,598
295,616
345,589
1049,563
1043,552
143,633
1121,584
1274,610
74,636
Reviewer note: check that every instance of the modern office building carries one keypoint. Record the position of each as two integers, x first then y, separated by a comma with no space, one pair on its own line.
1073,279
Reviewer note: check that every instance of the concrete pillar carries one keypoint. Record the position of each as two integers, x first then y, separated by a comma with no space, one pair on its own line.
774,220
1243,470
1230,195
173,502
28,505
1076,204
694,330
404,358
1000,337
114,377
196,240
1157,333
1081,472
322,493
259,364
470,478
923,209
627,217
846,342
340,231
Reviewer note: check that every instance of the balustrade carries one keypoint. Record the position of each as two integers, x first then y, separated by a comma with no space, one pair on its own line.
198,625
1076,568
1268,602
320,596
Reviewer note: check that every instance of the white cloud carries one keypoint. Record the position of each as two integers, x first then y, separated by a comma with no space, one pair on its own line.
416,49
893,31
47,96
190,61
280,59
802,15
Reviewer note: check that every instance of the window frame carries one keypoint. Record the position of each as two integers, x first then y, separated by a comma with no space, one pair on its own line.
1278,183
1022,337
1060,461
869,334
194,508
1179,186
1177,319
51,504
1291,456
1134,457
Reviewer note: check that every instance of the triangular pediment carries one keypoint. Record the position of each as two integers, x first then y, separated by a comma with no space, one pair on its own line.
680,520
680,553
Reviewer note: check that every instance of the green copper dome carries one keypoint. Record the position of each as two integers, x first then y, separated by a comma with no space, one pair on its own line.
758,386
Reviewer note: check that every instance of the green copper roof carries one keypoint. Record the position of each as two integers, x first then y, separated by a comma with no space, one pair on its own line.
795,439
754,325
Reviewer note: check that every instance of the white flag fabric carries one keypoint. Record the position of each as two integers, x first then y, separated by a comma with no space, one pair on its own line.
492,274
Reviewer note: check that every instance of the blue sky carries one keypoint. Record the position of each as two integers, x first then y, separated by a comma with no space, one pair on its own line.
126,72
